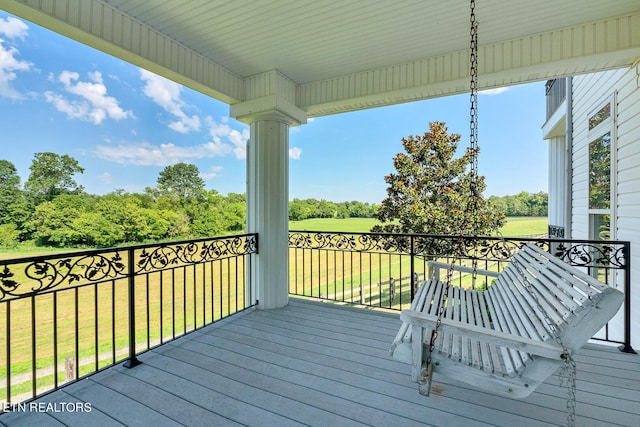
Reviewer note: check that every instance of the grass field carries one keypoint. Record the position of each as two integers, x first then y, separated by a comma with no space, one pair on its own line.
515,226
525,226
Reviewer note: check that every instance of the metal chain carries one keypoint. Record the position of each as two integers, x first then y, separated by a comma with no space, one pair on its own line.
473,122
568,372
473,134
568,380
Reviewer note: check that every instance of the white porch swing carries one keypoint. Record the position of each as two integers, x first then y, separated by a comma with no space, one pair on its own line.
510,338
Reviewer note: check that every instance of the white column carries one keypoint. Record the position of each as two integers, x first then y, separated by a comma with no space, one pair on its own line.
267,207
270,109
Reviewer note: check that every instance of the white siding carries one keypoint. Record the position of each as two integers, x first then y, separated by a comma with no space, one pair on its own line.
589,93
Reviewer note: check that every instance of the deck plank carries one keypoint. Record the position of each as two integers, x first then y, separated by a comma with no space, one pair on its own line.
322,364
251,389
350,380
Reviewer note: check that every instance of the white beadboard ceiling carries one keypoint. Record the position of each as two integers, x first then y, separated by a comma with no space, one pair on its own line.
342,55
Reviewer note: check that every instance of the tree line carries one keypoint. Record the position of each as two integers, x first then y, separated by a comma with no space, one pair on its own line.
522,204
51,209
300,209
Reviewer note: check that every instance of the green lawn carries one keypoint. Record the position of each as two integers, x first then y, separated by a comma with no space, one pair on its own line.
29,250
515,226
356,225
525,226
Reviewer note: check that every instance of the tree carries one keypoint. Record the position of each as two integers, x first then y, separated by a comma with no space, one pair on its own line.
52,223
181,181
430,191
52,175
14,208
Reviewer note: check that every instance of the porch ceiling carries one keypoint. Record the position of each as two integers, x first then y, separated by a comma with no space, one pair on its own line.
335,55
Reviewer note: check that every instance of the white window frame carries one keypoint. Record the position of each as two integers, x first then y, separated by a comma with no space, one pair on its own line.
606,126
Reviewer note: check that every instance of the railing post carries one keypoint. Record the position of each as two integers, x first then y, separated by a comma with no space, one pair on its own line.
626,347
413,269
131,277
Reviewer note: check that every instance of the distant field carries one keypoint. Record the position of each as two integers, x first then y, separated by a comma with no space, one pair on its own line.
359,225
515,226
29,251
525,226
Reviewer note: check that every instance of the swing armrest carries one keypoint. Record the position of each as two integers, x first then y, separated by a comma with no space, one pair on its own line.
549,350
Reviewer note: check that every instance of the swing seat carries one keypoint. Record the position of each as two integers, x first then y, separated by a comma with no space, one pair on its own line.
499,340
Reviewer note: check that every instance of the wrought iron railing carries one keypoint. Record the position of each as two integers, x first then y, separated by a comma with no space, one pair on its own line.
384,270
70,315
556,231
556,91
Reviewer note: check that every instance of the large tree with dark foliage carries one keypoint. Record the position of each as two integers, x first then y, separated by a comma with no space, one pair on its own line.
430,191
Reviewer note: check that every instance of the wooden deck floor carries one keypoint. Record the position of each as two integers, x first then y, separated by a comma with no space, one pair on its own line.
320,364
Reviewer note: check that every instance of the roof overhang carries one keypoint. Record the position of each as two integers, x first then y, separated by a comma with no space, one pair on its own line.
332,56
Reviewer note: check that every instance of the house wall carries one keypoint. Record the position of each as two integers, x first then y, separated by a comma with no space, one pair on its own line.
590,92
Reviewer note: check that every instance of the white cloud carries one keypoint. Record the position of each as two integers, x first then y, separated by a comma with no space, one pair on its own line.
496,91
9,64
213,172
73,110
237,138
294,153
91,101
13,28
166,94
147,154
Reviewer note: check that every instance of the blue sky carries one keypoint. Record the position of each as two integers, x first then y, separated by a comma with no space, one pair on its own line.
124,125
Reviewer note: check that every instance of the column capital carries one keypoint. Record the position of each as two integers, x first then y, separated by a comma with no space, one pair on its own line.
270,107
269,96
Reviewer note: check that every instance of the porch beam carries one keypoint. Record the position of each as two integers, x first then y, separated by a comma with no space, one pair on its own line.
594,46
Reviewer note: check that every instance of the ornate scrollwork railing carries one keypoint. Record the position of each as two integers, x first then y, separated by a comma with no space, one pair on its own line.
556,231
31,276
87,302
25,277
194,252
356,242
580,253
601,255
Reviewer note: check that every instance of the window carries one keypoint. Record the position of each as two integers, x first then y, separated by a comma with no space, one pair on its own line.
601,178
601,192
603,114
600,172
